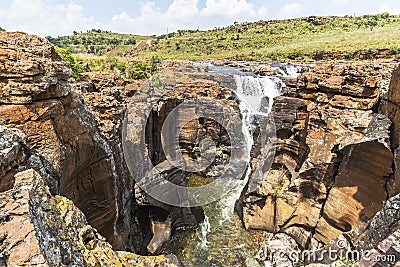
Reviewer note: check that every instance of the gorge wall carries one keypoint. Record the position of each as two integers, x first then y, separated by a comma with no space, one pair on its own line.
38,99
63,183
335,164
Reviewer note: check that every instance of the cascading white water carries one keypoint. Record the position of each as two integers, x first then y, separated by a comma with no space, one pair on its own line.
204,229
257,93
256,96
288,70
221,240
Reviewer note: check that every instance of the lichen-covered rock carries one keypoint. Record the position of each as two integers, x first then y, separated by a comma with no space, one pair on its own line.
19,244
129,259
38,229
10,155
383,224
386,253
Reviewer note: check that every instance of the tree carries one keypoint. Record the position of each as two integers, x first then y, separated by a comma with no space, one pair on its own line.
130,41
2,30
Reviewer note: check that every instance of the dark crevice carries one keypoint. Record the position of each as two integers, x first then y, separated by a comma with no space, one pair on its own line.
390,102
331,181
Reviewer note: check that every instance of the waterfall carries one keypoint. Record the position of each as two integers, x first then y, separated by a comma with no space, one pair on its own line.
292,71
256,96
220,239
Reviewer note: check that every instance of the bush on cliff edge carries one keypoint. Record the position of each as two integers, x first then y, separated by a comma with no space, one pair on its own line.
66,53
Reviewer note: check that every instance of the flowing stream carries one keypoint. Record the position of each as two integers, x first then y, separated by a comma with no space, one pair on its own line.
221,239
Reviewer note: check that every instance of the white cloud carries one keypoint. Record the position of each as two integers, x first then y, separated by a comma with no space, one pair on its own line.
122,21
229,9
183,10
185,14
262,12
290,10
389,9
40,17
47,17
340,1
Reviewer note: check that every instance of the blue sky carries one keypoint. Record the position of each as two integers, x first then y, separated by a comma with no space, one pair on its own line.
61,17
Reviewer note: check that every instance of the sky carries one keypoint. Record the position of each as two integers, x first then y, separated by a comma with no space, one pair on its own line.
155,17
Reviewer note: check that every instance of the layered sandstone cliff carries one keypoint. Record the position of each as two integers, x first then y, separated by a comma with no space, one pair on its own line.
57,213
333,168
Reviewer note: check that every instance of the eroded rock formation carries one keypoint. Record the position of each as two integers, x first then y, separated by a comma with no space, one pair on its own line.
37,99
67,196
148,134
333,164
39,229
74,196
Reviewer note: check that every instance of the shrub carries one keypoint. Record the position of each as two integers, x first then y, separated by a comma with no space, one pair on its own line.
139,71
121,67
154,62
77,68
318,55
385,15
294,55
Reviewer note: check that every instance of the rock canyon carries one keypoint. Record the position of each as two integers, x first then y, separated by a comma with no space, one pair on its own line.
76,158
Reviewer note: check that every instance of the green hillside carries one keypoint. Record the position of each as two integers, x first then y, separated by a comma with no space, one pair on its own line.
310,38
303,38
97,41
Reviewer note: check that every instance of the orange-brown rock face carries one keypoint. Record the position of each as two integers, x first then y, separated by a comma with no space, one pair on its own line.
36,98
333,156
76,151
31,70
391,106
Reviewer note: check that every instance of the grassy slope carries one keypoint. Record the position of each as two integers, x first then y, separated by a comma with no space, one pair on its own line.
285,39
278,40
